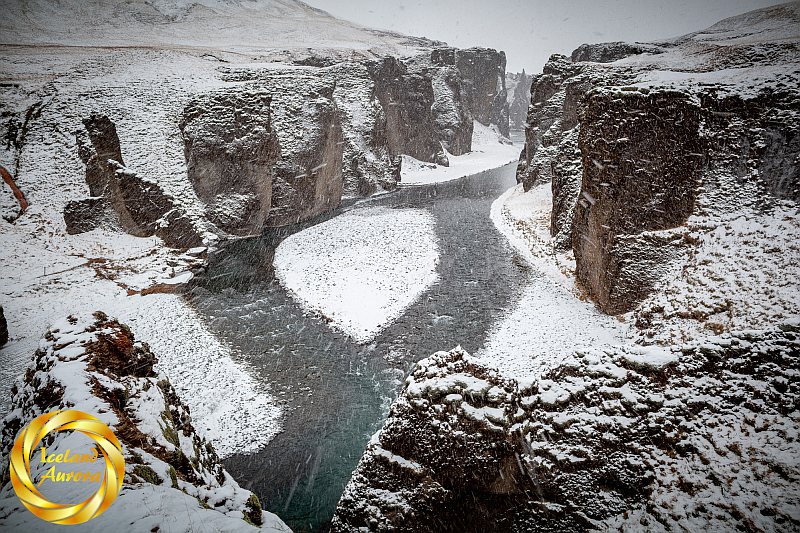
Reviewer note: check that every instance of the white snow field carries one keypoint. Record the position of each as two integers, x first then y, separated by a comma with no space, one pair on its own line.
361,269
548,323
489,150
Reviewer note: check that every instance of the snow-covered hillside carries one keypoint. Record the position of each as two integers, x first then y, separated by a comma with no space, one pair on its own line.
260,28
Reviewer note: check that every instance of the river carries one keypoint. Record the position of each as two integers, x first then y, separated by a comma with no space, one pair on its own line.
336,393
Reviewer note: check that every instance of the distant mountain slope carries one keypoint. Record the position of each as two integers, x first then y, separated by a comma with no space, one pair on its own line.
251,24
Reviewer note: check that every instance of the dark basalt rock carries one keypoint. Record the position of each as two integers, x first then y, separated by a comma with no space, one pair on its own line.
443,465
620,196
483,71
610,52
85,215
308,176
120,198
406,99
231,149
607,440
520,99
3,327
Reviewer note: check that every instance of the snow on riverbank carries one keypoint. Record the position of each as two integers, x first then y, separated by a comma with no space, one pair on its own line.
61,274
548,323
489,150
361,269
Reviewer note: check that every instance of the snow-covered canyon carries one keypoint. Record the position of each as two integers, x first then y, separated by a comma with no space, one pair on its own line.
350,302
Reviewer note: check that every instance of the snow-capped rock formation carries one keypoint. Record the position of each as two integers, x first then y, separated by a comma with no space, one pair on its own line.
518,87
326,108
637,139
702,436
119,197
94,364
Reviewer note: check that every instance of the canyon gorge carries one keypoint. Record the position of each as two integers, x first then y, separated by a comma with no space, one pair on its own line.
322,277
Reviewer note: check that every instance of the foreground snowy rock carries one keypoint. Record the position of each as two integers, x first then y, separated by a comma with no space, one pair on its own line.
703,436
173,476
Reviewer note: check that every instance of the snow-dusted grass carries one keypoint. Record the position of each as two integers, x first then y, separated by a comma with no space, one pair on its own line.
489,150
48,277
361,269
549,323
200,366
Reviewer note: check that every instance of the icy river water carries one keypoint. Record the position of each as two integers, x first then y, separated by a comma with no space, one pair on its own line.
335,392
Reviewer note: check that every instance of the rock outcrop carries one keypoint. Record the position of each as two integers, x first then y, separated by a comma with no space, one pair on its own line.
406,99
658,149
121,198
446,458
621,197
231,149
639,438
3,327
610,52
94,364
518,88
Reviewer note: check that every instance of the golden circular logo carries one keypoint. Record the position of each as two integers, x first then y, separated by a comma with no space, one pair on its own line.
66,420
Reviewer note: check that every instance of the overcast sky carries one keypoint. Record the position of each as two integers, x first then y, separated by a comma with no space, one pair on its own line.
530,30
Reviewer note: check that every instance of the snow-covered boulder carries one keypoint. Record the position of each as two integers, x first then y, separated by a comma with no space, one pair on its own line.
94,364
701,435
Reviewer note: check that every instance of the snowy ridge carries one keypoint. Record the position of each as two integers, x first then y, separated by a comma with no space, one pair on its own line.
172,475
255,26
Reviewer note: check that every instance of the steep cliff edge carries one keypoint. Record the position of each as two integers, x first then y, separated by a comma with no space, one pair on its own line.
518,88
172,476
660,180
699,436
637,140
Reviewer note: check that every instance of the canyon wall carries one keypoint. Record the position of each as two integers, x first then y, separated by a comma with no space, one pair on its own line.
631,157
93,363
285,143
120,198
609,439
518,87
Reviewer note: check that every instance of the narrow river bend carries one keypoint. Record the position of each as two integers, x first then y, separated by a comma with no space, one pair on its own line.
335,392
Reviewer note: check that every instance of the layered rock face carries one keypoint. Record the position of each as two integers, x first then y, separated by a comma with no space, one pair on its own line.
484,73
120,197
629,167
518,88
621,197
231,149
94,364
446,458
610,439
406,99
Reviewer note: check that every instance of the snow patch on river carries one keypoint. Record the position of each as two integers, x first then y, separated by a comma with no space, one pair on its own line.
362,269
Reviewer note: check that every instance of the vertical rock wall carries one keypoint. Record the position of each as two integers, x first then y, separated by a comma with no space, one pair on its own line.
231,149
621,198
